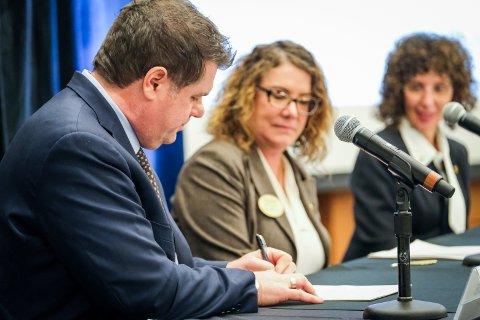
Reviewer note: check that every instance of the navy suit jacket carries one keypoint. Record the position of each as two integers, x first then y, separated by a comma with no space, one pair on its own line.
82,233
374,192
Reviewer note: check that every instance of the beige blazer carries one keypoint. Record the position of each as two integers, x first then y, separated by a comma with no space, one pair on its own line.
216,203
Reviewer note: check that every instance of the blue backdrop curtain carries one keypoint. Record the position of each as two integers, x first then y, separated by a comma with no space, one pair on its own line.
41,44
32,34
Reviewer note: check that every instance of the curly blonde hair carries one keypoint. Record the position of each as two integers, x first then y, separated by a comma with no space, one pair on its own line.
419,53
229,120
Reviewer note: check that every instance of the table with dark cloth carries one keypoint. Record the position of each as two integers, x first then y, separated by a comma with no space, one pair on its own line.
442,283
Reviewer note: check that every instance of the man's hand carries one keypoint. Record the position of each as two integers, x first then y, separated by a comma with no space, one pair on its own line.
279,261
276,288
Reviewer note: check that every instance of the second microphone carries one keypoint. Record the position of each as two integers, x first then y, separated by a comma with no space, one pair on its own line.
349,129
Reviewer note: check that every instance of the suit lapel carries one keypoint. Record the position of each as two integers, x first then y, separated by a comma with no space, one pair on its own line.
306,195
110,122
263,186
456,158
184,254
105,114
395,138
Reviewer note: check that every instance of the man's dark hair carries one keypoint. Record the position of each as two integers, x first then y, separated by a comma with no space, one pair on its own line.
168,33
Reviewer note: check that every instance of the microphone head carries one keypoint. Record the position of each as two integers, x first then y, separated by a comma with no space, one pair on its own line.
453,112
346,127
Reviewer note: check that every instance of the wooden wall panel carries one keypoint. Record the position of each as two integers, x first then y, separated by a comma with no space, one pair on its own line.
336,209
474,219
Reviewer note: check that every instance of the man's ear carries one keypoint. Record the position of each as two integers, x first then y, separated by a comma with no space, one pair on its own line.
156,79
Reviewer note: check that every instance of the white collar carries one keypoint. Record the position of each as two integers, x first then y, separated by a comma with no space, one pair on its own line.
420,148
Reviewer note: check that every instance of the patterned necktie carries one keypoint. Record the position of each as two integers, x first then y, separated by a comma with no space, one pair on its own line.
142,158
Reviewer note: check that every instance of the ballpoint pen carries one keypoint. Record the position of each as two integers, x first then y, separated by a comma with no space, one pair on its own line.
263,246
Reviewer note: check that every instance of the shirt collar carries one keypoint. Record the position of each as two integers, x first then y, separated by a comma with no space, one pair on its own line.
420,148
132,137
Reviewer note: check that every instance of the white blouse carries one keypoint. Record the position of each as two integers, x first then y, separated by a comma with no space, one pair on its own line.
421,149
310,252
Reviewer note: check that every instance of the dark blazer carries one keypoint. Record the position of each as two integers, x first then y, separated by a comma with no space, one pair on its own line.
216,203
82,233
373,190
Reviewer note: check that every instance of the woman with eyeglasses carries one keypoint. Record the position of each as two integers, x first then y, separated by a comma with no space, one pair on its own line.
246,181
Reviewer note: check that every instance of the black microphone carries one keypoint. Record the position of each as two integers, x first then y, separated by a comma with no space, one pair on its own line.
454,113
348,129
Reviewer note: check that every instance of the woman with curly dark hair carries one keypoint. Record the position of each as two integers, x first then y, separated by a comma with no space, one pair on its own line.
423,73
245,181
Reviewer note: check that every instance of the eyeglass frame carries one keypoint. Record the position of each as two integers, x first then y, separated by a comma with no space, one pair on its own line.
270,92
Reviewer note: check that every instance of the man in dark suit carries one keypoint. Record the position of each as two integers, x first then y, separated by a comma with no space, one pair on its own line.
84,229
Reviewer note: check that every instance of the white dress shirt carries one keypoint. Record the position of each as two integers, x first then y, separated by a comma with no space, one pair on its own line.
421,149
310,252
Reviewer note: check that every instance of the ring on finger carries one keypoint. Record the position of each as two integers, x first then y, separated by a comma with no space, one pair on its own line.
293,283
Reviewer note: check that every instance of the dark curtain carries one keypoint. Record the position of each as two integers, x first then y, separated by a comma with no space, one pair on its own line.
36,58
42,42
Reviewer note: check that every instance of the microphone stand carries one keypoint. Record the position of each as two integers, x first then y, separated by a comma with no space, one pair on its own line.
405,307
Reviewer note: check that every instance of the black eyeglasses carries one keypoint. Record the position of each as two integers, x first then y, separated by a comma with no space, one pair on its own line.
278,98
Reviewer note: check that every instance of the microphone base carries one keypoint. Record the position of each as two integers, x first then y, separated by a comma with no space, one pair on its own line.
405,310
472,260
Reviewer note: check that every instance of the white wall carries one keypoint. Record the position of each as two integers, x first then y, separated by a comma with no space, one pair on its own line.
341,155
350,40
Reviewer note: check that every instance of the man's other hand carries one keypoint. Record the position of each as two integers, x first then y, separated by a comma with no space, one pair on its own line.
276,288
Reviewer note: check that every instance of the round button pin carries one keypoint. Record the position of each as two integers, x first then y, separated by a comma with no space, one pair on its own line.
270,206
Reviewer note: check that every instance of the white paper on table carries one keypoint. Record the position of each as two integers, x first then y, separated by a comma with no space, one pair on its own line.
424,250
355,293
